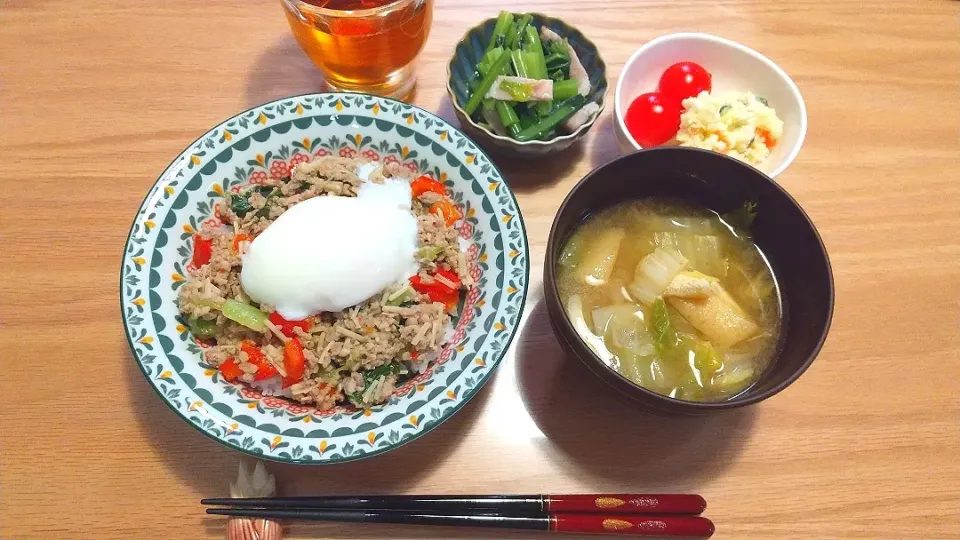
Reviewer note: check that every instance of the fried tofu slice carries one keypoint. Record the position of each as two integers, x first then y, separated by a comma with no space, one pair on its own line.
717,316
690,285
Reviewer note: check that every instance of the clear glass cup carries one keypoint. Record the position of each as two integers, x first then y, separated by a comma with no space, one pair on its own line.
363,45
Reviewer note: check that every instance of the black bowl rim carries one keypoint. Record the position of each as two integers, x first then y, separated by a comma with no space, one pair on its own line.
580,131
550,290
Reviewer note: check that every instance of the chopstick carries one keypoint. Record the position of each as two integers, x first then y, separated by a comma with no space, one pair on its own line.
665,526
619,503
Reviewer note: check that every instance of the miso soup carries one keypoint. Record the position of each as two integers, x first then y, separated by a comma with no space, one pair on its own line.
674,297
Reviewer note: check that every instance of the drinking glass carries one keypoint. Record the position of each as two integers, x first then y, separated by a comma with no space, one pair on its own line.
363,45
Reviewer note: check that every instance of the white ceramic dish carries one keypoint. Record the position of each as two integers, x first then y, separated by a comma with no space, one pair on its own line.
734,67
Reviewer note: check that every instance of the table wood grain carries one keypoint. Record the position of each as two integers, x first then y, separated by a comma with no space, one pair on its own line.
98,96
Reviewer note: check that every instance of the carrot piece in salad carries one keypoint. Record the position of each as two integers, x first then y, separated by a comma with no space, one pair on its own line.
767,137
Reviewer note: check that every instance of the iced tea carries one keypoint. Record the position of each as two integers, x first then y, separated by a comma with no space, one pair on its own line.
362,45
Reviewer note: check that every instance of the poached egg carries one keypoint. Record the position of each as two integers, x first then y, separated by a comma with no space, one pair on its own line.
329,253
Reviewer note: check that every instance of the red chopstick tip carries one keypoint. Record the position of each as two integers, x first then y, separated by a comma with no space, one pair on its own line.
624,503
664,526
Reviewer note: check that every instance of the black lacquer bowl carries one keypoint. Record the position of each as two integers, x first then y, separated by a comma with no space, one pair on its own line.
782,231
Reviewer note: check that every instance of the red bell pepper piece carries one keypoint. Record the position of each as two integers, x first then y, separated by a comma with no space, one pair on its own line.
202,250
240,238
255,356
293,362
286,327
436,286
447,210
429,289
418,285
450,300
424,183
230,369
450,276
437,291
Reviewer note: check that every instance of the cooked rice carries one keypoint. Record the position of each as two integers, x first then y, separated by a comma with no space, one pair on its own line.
358,354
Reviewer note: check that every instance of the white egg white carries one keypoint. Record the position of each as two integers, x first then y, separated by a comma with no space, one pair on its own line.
329,253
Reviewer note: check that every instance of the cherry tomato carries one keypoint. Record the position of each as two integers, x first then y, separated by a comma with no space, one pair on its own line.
653,120
683,80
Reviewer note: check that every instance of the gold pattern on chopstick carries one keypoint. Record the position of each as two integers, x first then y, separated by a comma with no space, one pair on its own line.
616,525
609,502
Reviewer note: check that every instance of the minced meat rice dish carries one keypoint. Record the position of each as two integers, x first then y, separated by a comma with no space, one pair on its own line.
357,355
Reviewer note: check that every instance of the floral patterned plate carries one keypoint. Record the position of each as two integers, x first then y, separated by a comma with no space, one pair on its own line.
265,142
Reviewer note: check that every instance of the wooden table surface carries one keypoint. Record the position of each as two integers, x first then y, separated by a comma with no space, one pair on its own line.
98,96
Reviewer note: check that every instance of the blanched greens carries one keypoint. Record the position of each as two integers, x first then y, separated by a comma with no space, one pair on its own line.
240,205
543,100
372,376
240,202
557,60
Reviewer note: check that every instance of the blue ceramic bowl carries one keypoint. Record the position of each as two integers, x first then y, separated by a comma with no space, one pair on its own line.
461,70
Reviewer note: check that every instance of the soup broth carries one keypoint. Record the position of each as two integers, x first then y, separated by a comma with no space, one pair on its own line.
673,297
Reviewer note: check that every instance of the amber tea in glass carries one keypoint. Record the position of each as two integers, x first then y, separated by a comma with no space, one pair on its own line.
363,45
